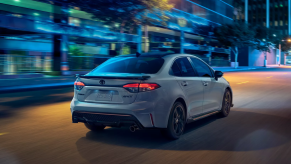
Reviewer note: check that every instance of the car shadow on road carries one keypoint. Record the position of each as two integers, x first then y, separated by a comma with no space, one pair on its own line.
241,131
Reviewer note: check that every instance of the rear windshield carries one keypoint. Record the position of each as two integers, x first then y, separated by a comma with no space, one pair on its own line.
147,65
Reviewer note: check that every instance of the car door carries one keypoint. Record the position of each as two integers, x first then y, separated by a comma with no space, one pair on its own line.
190,83
212,88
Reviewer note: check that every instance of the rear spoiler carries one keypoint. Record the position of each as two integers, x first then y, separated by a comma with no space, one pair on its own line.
114,77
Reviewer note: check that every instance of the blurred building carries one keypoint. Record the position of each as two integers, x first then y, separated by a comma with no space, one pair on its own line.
32,34
269,13
275,14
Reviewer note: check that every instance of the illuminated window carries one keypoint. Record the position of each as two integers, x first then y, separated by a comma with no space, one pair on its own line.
281,23
276,23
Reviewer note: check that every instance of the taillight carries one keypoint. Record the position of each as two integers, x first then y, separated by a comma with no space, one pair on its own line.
131,87
79,85
143,87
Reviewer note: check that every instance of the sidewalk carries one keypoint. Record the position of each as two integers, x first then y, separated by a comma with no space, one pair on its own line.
49,82
29,84
242,68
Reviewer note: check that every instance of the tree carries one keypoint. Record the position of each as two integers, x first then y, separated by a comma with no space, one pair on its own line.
286,45
235,35
123,14
266,39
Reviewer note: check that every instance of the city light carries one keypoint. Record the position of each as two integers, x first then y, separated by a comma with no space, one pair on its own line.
17,0
289,40
274,35
36,14
264,40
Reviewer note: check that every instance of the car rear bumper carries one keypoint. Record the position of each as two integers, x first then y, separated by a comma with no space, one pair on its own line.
138,113
107,119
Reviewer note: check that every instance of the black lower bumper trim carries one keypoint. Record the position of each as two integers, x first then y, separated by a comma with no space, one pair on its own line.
107,119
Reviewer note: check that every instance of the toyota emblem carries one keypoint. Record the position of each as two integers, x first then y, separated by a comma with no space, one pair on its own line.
102,82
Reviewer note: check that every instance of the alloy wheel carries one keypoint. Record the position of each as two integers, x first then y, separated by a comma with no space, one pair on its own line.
178,120
227,101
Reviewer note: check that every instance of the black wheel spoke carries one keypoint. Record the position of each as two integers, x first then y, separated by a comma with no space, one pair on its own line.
227,101
178,120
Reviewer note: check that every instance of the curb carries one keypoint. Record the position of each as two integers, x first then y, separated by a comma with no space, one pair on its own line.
236,70
246,69
35,87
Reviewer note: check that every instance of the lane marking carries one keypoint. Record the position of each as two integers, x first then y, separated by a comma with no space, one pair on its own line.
1,134
243,82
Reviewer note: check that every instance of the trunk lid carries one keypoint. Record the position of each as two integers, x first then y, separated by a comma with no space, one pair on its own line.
108,88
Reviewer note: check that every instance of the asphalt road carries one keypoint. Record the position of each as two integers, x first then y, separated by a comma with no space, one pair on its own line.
36,128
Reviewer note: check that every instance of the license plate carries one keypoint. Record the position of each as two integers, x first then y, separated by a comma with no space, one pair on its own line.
104,96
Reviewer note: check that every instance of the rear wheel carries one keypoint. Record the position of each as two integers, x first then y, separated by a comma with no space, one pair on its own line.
226,104
176,122
93,127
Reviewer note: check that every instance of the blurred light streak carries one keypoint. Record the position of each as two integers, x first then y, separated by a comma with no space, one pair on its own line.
1,134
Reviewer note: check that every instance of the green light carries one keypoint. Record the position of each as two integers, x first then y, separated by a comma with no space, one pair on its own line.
276,6
17,0
281,5
36,14
76,21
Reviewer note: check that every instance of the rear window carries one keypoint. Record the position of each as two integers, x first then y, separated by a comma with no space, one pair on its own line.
147,65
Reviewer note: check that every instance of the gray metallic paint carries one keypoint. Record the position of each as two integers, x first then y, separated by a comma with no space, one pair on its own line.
158,102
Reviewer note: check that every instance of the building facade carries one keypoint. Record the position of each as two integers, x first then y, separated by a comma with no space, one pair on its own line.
268,13
32,34
274,14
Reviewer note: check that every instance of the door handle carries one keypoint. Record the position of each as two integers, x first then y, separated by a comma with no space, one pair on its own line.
184,83
205,83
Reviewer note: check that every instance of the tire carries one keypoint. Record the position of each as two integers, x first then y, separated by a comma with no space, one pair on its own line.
176,122
94,127
226,104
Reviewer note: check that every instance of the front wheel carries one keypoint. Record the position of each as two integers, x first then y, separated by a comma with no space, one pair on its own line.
93,127
176,122
226,104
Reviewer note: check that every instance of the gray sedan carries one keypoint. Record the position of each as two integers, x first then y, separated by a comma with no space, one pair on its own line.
163,91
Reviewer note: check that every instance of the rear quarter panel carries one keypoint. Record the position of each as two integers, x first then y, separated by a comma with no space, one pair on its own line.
164,98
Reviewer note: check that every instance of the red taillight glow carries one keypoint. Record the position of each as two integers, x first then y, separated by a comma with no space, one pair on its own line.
143,87
79,85
147,87
131,85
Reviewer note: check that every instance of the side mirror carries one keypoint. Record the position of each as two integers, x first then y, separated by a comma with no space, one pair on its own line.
218,74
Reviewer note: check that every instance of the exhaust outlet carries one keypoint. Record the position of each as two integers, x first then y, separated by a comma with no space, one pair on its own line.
133,128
